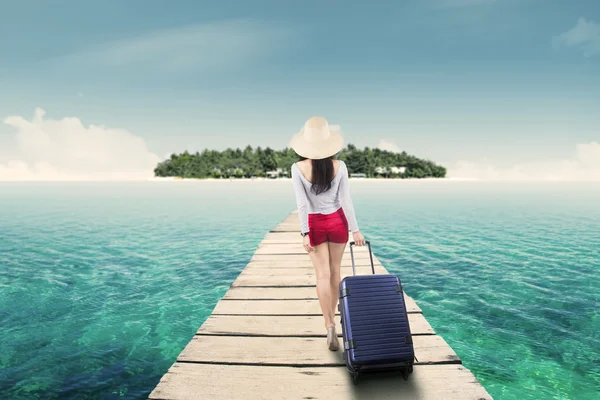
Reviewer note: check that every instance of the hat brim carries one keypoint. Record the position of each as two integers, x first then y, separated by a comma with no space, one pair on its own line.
317,149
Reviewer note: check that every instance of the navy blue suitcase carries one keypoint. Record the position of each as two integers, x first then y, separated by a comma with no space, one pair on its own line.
375,328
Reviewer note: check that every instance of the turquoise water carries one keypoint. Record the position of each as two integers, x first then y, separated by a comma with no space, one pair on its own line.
103,284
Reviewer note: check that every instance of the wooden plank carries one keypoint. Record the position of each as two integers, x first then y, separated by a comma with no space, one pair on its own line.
281,235
291,220
281,293
296,234
282,239
287,237
274,280
295,351
296,257
308,263
293,240
283,281
280,276
288,248
281,307
286,228
184,381
266,325
301,255
295,249
299,293
290,237
297,239
256,270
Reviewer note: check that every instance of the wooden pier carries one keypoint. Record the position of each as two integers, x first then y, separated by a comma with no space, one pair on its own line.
266,340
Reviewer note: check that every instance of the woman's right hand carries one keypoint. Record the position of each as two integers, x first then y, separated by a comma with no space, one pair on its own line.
359,240
306,244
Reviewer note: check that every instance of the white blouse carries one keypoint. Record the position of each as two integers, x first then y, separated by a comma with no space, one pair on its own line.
327,202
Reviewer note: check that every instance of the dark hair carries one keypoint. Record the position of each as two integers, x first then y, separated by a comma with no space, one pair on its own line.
322,175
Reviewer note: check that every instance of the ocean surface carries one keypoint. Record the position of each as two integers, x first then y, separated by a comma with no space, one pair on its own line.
103,284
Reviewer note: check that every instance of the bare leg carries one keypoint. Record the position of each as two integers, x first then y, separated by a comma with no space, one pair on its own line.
320,260
336,252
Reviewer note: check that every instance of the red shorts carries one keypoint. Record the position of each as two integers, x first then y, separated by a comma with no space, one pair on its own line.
328,228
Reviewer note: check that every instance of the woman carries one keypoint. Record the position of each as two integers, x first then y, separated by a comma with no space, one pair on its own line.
325,209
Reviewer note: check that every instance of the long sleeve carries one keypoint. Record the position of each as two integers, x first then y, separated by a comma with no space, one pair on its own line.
301,199
346,200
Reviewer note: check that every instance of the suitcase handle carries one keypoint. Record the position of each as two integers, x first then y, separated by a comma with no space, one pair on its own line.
370,256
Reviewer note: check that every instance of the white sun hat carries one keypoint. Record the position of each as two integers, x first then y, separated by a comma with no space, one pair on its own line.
317,139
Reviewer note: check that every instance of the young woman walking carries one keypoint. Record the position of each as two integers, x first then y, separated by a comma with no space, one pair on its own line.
325,209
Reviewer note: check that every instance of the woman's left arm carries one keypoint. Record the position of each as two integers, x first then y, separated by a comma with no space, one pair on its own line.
301,200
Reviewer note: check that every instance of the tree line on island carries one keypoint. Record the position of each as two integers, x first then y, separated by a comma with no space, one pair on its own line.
258,162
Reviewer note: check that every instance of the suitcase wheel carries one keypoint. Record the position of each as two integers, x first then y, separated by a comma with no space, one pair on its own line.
355,377
407,371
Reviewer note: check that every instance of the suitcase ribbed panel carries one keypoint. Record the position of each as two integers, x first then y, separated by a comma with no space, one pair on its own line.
375,318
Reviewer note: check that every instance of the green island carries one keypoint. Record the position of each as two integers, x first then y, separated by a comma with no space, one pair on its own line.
258,162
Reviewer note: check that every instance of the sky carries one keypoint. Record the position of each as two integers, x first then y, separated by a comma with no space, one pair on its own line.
491,89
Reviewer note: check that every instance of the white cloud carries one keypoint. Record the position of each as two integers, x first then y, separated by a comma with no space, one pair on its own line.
65,149
584,166
209,45
388,146
585,35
